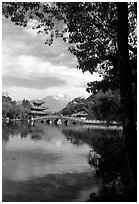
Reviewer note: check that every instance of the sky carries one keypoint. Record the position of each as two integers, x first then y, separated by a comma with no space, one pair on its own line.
33,70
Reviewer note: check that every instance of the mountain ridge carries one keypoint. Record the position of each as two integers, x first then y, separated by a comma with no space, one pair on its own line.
55,103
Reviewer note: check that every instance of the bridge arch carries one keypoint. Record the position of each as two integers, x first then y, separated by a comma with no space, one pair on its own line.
66,122
74,122
48,121
57,121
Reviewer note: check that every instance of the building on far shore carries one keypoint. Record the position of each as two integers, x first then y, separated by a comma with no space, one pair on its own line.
37,109
81,115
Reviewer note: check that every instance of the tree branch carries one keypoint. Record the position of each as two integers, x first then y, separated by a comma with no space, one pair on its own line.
134,50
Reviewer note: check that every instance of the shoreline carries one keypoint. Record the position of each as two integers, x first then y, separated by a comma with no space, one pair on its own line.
91,123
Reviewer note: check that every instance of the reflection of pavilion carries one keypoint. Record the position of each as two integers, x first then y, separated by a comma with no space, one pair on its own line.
37,109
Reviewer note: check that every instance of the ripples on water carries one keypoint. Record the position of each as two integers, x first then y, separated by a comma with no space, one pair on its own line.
40,163
52,163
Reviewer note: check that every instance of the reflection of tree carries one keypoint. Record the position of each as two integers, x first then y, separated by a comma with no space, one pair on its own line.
14,128
36,132
74,141
5,136
22,128
114,171
7,131
36,136
24,133
50,188
112,166
85,135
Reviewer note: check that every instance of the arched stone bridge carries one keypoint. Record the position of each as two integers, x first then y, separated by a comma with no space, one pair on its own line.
59,120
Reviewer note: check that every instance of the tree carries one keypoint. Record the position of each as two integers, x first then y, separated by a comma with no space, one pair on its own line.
126,89
26,107
7,106
26,104
90,29
76,105
12,110
99,38
105,106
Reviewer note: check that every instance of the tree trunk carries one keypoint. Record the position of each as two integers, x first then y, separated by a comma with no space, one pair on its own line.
126,91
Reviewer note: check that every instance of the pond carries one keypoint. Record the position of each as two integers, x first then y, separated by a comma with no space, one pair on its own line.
45,163
41,164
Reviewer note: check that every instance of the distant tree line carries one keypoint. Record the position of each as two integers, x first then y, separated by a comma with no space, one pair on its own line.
100,106
13,110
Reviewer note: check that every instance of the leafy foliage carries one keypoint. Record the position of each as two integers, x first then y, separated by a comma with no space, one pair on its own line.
100,106
106,106
113,166
76,105
90,28
12,110
26,104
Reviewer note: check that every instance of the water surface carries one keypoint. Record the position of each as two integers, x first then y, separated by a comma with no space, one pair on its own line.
40,163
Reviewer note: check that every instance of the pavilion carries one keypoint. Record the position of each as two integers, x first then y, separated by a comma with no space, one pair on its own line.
81,115
37,109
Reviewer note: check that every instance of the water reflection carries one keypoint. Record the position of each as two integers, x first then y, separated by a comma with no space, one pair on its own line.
34,154
48,163
42,151
109,155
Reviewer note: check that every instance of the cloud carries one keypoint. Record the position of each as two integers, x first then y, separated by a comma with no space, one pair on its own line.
34,83
26,41
19,93
30,66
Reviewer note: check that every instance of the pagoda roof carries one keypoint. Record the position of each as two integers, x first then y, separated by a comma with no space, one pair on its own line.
38,108
39,102
39,112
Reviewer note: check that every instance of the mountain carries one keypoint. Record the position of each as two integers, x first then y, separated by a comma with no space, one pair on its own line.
19,102
56,103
